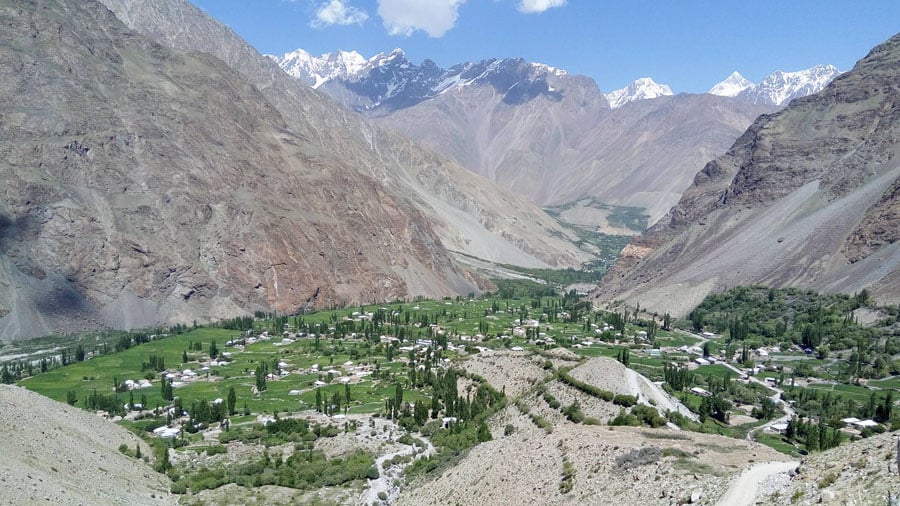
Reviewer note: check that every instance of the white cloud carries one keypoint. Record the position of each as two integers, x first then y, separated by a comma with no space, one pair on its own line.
434,17
337,12
533,6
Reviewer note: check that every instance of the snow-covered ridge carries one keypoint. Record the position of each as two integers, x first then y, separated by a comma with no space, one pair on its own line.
642,89
390,78
778,88
317,70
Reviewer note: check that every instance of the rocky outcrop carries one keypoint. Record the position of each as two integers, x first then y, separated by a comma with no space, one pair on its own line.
861,472
805,197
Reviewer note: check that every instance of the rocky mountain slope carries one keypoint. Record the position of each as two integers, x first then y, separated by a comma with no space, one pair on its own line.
470,215
146,184
556,150
860,472
57,454
805,197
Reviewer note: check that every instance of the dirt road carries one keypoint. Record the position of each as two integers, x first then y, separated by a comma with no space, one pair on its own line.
745,488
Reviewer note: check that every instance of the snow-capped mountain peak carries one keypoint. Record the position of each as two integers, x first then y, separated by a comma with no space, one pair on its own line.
732,86
317,70
640,89
390,80
779,88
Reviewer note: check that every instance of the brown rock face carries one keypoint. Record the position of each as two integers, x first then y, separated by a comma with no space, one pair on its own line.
469,214
806,197
146,185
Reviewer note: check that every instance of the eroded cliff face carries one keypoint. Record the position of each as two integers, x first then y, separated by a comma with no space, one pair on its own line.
806,197
145,185
469,214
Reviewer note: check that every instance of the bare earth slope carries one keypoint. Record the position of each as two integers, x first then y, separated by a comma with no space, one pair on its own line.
527,467
806,197
610,375
860,472
57,454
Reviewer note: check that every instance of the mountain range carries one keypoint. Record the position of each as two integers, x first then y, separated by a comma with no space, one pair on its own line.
391,81
807,196
539,131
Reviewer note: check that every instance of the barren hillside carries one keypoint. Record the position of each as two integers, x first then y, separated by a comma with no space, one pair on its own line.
557,150
612,465
57,454
861,472
469,214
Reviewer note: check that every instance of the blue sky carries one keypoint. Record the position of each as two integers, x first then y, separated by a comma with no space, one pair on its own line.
688,44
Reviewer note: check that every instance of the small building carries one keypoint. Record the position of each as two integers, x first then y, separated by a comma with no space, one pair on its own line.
701,361
167,432
866,424
779,428
700,391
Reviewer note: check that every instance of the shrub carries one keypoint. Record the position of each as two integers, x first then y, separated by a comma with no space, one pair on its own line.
216,450
639,457
178,487
827,480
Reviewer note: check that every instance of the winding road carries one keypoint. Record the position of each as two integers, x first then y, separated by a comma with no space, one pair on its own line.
776,396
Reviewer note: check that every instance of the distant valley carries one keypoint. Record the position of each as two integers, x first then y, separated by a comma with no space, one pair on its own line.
548,135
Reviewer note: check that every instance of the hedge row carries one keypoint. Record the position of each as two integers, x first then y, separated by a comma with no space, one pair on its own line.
604,395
